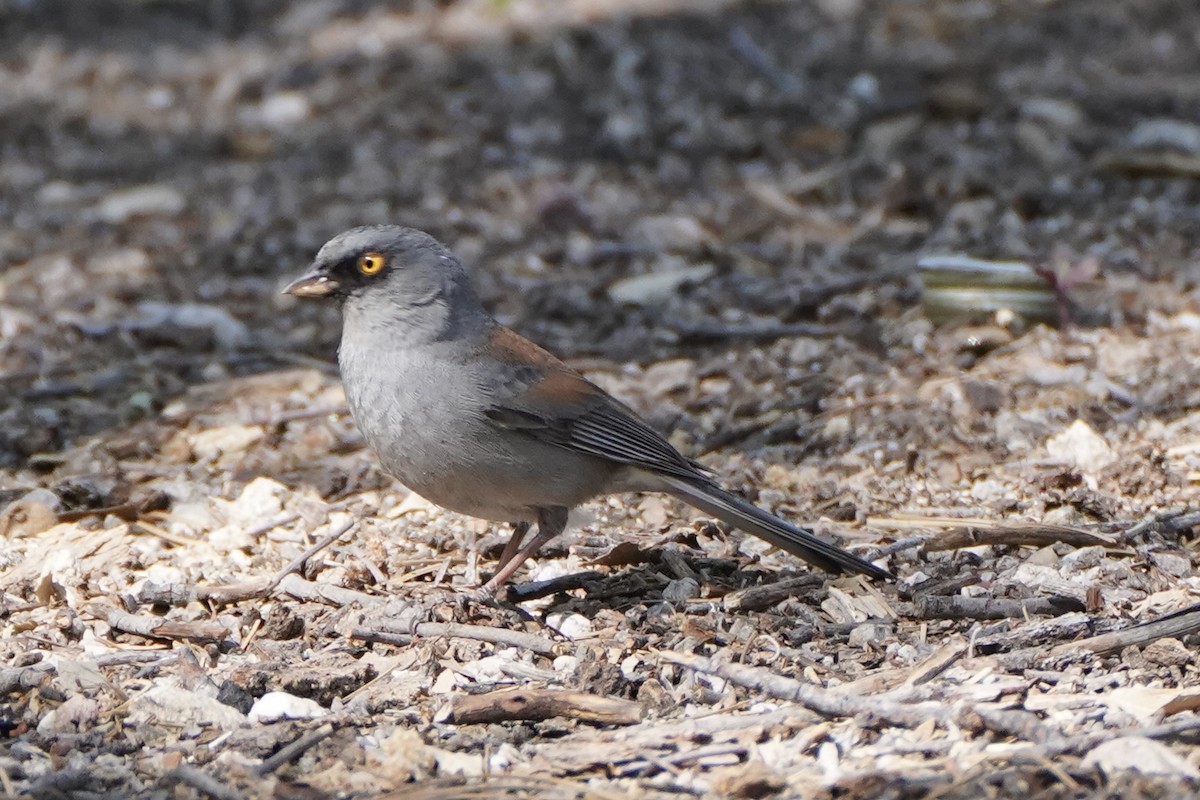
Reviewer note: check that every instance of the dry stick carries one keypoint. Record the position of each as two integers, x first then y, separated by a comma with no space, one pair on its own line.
1057,629
1084,742
300,560
959,607
1173,522
1180,623
20,679
563,583
756,598
179,595
897,546
480,633
1177,624
294,750
815,698
536,705
158,628
301,589
202,782
1031,535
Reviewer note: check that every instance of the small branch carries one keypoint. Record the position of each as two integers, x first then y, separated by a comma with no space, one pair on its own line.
301,589
897,546
756,598
179,595
158,628
21,679
450,630
959,607
202,782
290,752
1169,522
1087,741
300,560
814,698
563,583
1027,535
534,705
1180,623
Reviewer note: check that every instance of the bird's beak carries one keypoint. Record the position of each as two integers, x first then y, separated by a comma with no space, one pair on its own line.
314,284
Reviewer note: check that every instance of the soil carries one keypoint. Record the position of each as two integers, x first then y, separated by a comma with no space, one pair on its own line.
717,211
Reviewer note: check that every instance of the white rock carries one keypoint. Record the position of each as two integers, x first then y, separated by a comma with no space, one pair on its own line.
166,705
228,332
653,288
566,664
1083,558
227,439
573,626
276,706
284,109
1081,447
78,714
669,232
140,201
1166,134
260,501
681,590
629,667
1139,754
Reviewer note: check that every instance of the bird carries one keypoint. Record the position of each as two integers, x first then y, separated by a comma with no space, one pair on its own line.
479,420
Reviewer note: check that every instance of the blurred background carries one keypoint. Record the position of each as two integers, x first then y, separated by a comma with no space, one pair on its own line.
628,178
920,274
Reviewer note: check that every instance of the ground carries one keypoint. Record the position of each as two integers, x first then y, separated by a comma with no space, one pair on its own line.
714,209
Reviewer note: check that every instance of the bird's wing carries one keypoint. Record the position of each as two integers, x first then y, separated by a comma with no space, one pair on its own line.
544,398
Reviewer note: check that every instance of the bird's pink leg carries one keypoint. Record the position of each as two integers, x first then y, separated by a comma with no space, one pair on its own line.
551,523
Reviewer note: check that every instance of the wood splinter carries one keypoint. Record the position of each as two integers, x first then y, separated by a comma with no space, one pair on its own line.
534,705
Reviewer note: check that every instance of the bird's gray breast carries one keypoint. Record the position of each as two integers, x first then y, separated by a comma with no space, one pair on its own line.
422,411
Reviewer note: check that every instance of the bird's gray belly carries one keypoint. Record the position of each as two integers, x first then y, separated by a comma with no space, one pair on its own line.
449,453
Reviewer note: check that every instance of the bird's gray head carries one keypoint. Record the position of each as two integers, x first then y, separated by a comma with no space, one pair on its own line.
394,277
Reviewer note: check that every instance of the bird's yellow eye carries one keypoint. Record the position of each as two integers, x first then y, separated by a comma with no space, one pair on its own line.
370,263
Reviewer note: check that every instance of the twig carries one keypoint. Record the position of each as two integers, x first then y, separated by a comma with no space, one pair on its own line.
539,704
202,782
959,607
897,546
20,679
1179,623
300,560
480,633
158,628
563,583
814,698
294,750
301,589
752,53
1174,522
1029,535
178,595
270,525
756,598
1084,742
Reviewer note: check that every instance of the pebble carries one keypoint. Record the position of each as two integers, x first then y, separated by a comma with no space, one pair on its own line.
276,706
140,201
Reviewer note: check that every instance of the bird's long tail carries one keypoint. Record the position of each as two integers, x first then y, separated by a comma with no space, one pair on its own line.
733,510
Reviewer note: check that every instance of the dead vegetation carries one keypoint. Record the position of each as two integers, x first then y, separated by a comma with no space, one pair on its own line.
210,590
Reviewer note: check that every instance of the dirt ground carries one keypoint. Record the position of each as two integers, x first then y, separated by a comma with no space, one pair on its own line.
715,209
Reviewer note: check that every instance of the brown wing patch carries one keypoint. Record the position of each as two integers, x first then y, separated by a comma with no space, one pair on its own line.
513,348
556,385
550,401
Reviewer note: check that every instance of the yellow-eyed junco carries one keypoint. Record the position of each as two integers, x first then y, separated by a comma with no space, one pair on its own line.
479,420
